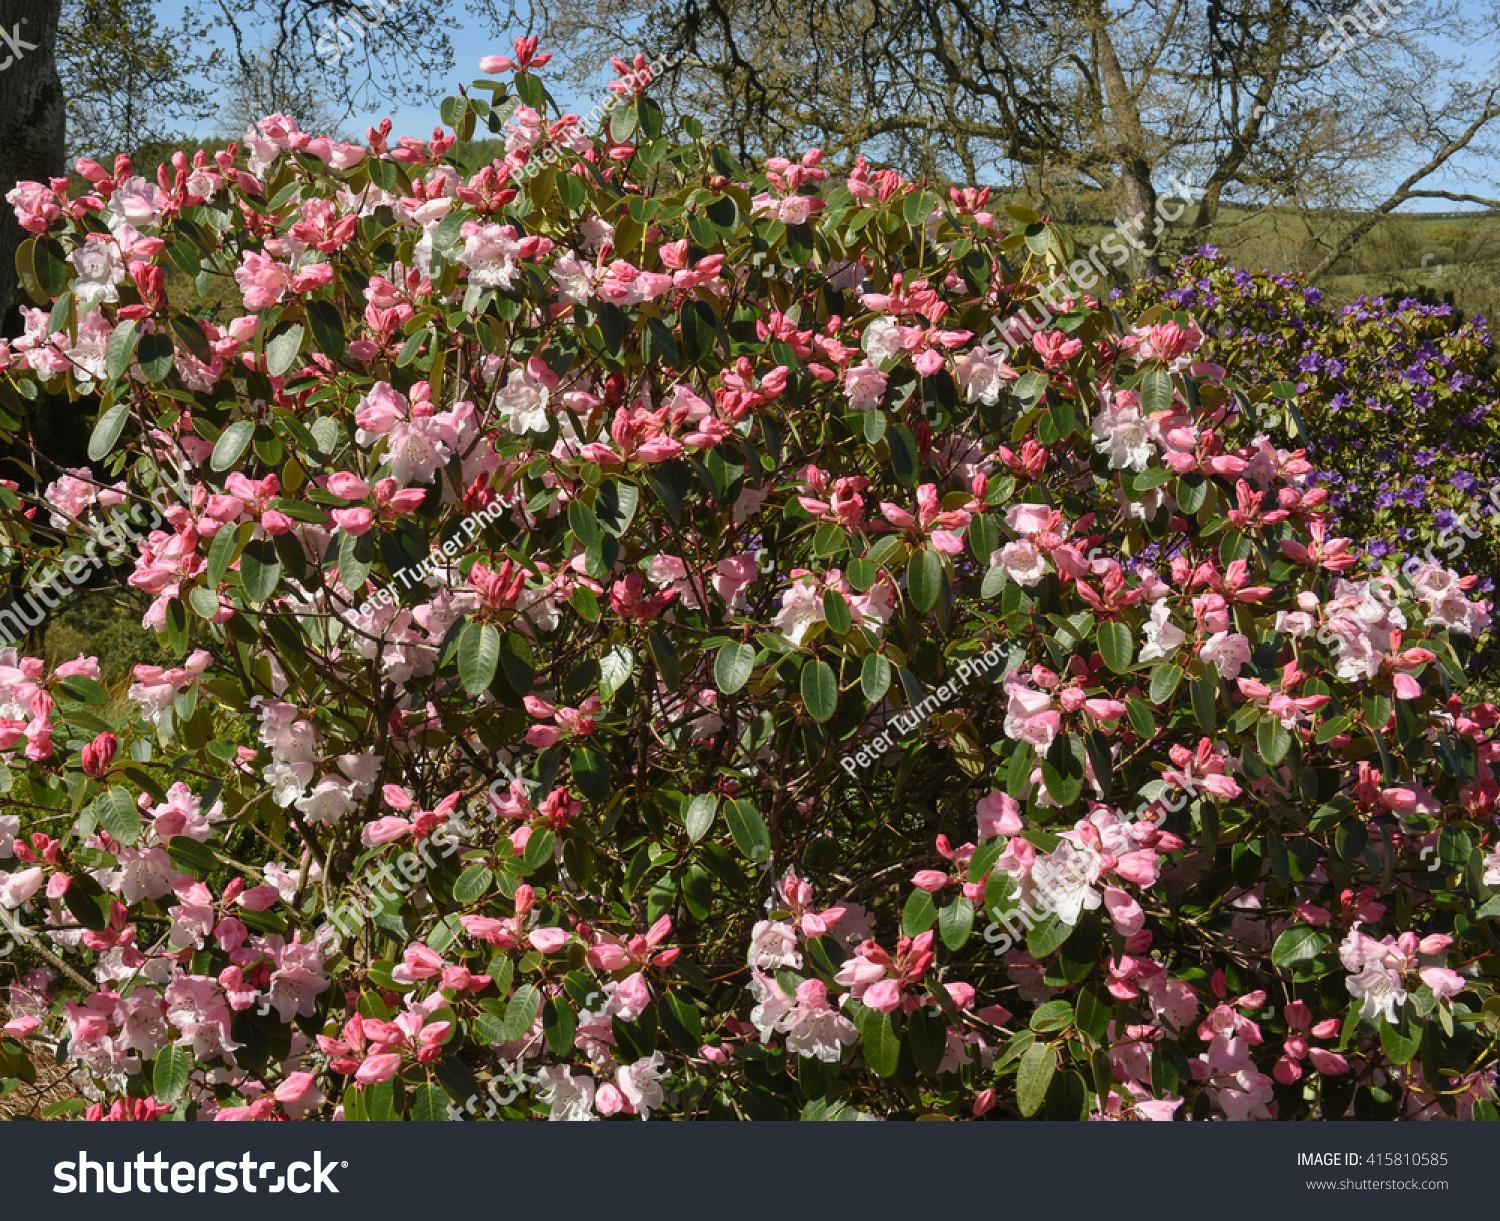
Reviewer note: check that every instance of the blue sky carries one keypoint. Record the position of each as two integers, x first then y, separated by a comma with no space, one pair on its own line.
471,38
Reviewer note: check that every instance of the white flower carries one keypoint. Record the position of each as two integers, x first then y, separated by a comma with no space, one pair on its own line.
982,375
640,1083
569,1097
100,269
818,1031
416,450
10,827
329,801
1124,436
16,888
1379,991
288,780
1162,635
523,402
882,340
773,943
1022,560
801,607
771,1005
1229,651
575,279
1439,591
864,385
1062,882
490,255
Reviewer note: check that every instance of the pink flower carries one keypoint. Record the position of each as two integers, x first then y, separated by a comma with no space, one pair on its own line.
525,59
378,1068
999,814
262,281
882,996
549,940
98,755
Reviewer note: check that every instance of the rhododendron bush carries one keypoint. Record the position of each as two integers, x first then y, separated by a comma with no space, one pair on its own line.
647,647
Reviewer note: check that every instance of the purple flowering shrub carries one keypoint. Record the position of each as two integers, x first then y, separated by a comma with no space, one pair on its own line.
1394,402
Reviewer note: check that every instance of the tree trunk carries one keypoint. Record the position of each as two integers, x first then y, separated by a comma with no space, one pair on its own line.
31,118
1136,187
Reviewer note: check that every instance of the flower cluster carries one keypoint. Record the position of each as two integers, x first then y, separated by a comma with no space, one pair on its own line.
707,476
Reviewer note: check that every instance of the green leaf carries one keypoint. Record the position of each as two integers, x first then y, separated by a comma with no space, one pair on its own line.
120,350
117,814
820,690
478,656
615,669
327,327
524,1005
559,1024
698,814
924,579
1141,720
1156,392
748,829
85,689
1273,740
1116,645
875,677
1401,1048
281,352
1093,1015
260,570
107,431
919,914
1033,1077
1298,944
1063,769
590,772
473,883
904,458
1205,696
955,923
733,666
1164,680
1053,1015
584,524
221,553
428,1104
836,612
877,1034
1331,728
155,356
192,857
231,444
169,1073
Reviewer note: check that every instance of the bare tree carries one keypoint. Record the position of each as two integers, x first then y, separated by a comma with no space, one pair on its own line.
1311,102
